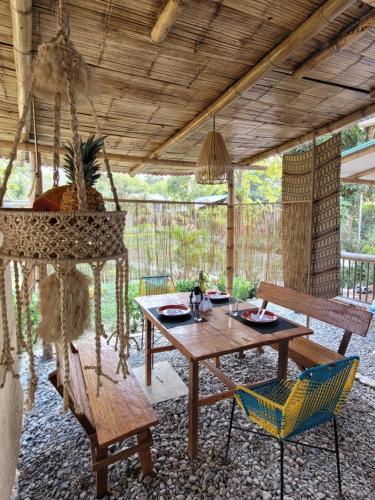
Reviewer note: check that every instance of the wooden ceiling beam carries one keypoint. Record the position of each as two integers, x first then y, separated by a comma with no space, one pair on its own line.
46,149
354,180
310,27
362,173
167,19
344,39
335,126
22,45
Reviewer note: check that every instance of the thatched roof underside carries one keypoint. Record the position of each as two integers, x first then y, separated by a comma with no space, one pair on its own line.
148,92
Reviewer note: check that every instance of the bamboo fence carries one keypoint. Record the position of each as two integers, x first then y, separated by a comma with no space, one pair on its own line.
182,238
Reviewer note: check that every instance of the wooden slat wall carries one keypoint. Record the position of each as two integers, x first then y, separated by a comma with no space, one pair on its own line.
148,91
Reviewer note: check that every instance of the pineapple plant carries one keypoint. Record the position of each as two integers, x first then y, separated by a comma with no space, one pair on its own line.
89,153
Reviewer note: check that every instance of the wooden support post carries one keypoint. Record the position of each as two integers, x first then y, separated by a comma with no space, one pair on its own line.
193,409
230,232
22,45
37,188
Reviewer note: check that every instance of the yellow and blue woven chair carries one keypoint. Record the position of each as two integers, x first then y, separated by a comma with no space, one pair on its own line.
285,409
155,285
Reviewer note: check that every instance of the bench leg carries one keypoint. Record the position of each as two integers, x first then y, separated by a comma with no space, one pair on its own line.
101,474
145,456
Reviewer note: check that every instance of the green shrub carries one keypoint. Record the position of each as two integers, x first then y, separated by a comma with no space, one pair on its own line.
109,305
243,289
185,285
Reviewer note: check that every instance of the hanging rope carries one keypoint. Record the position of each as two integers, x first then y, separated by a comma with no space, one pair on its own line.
127,313
118,302
20,341
33,381
62,272
79,178
96,268
62,19
56,140
123,334
106,159
13,152
6,359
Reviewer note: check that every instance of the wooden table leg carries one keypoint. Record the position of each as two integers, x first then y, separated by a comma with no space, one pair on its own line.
282,365
148,363
193,409
101,474
217,362
145,456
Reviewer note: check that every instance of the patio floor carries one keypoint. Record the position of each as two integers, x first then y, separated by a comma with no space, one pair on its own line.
55,451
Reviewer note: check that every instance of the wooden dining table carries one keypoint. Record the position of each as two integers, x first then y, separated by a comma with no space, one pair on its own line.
202,343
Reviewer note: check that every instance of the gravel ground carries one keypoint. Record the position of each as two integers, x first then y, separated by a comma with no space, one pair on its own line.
55,458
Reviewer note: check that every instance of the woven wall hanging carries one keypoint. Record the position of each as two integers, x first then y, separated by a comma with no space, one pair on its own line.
83,233
311,219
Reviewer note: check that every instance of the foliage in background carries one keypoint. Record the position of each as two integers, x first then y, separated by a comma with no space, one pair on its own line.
34,314
358,237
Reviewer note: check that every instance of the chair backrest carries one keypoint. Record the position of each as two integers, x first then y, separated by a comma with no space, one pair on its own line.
348,317
156,285
318,395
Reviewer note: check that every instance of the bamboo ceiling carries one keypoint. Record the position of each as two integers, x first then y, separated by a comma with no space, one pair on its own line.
148,91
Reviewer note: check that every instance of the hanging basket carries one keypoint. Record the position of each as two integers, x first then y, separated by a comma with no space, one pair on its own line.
58,237
214,161
62,239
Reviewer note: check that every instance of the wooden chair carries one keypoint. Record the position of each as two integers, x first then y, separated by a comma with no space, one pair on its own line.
304,351
121,411
285,409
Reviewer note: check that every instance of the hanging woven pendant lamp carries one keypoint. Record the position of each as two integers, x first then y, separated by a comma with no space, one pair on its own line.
213,161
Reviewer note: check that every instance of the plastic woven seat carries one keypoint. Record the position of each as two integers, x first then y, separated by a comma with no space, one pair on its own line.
156,285
285,409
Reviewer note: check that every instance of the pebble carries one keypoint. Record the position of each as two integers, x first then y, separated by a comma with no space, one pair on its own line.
55,460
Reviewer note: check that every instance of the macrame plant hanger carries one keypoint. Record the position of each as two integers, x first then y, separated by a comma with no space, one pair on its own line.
62,239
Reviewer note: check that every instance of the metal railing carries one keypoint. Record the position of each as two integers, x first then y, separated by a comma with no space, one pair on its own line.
358,276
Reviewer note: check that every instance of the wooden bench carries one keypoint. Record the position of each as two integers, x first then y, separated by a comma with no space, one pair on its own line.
304,351
121,411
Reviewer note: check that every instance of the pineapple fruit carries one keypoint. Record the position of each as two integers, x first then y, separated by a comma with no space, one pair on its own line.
89,152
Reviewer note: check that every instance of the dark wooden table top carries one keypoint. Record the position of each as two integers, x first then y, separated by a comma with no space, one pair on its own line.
219,335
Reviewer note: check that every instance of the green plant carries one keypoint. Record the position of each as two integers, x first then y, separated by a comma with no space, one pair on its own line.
34,315
89,153
243,289
185,285
109,305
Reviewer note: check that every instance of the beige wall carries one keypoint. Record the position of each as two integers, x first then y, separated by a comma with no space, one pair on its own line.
11,401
